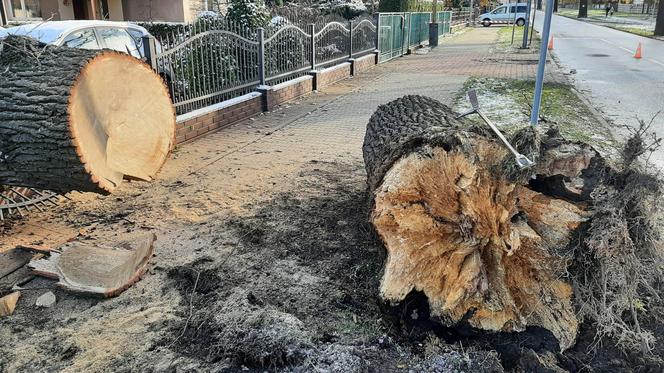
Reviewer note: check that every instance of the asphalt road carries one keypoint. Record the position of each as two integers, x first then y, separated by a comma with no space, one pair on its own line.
622,87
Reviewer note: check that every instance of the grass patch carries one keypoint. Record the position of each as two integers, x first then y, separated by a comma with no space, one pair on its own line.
635,30
505,44
507,102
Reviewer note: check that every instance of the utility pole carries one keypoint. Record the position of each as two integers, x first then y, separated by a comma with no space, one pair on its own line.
539,82
433,25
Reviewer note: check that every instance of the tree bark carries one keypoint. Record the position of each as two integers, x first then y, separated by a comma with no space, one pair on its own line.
659,25
462,225
74,119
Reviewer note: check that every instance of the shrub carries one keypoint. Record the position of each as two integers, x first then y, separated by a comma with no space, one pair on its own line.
248,13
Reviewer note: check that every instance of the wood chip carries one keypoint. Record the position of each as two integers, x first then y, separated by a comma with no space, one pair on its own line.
8,303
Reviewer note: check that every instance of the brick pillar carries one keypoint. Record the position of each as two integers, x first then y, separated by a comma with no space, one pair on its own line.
267,97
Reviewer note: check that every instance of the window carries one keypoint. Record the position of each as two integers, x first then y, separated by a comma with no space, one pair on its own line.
521,9
84,39
501,10
25,9
119,40
137,35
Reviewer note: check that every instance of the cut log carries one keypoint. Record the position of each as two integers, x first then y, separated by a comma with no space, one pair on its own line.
481,245
95,270
73,119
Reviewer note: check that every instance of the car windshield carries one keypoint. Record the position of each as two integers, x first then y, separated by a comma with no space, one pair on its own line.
38,31
83,39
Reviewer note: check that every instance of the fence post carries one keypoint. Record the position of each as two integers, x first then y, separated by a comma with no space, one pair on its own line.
377,19
350,39
150,51
261,55
312,31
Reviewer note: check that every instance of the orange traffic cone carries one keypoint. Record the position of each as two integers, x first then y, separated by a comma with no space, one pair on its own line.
551,43
638,52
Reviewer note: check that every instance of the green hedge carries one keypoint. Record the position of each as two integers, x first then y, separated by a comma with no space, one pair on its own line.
407,5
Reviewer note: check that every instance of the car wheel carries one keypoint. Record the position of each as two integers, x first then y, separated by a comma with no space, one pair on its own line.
520,22
486,23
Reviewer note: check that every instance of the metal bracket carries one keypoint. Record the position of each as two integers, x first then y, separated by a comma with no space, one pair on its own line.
521,160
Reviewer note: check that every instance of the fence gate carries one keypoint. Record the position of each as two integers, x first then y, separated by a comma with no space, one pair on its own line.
392,29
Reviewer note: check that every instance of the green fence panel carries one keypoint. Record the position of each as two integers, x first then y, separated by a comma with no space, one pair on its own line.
392,32
444,23
418,27
399,31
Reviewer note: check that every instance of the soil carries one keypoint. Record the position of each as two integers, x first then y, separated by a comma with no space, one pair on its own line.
291,285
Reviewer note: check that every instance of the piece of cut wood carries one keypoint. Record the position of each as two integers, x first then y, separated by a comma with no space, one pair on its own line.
96,270
75,119
8,303
12,260
482,246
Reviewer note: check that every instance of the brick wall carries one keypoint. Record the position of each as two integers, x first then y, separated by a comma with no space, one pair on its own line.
332,74
289,90
212,118
364,63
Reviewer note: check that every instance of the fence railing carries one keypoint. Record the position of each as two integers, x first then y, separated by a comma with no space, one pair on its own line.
400,31
460,17
212,61
216,61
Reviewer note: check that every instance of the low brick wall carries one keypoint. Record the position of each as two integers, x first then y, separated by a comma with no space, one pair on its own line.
287,91
211,118
199,122
364,63
332,74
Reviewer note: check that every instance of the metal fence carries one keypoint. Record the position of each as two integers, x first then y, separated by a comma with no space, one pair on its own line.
212,61
461,16
400,31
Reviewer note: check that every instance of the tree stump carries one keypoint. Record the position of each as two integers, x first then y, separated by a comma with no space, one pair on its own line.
464,229
74,119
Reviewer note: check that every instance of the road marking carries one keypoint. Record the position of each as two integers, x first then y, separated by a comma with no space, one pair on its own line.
655,61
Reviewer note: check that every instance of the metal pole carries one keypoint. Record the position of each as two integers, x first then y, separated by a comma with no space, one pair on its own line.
532,27
539,82
513,18
261,55
377,19
350,39
312,31
150,51
524,45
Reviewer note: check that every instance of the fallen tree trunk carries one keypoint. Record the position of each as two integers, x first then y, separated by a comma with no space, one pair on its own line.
461,225
74,119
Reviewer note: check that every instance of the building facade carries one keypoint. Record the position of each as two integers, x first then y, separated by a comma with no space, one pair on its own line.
113,10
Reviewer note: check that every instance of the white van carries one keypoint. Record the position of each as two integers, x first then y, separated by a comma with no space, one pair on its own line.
506,14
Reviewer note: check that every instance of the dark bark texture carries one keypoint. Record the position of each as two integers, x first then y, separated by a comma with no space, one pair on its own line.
36,148
422,120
